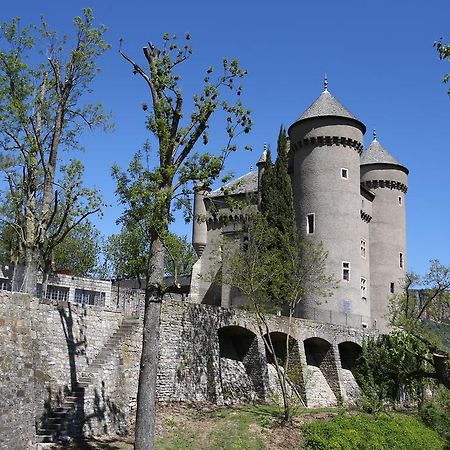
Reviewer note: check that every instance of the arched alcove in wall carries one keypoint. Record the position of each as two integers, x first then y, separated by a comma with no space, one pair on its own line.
235,342
316,350
349,352
282,345
322,383
241,367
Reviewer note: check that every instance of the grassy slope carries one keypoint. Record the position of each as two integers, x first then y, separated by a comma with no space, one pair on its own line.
181,427
257,427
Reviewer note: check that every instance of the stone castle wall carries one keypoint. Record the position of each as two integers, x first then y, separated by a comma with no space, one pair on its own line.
206,354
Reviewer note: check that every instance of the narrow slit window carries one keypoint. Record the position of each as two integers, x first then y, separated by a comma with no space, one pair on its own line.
400,200
310,224
392,288
363,248
400,260
244,243
345,271
363,288
344,173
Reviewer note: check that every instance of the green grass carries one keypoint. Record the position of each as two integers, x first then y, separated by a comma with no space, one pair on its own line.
225,428
366,432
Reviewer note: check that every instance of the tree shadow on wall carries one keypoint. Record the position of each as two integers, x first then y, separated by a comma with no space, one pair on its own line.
64,414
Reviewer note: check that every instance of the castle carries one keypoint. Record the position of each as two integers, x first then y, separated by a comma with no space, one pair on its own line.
349,198
70,362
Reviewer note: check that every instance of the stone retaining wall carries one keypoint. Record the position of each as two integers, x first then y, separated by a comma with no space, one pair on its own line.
46,346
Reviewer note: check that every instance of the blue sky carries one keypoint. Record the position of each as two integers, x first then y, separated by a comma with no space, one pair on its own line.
378,56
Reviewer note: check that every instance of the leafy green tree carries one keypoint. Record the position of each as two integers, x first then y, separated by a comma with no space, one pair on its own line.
150,190
277,279
127,254
180,257
422,311
416,354
276,190
279,268
43,81
444,53
79,253
387,369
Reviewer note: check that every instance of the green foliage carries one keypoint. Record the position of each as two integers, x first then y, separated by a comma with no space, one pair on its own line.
388,368
424,302
127,254
444,53
78,254
366,432
276,191
180,256
43,79
435,413
152,187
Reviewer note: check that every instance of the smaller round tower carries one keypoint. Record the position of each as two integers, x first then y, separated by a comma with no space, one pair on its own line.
387,179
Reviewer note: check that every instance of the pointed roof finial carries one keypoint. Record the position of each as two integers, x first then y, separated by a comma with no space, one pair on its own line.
265,147
325,83
374,134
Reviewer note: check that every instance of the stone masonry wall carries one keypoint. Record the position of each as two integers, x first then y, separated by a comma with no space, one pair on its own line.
190,366
47,347
16,374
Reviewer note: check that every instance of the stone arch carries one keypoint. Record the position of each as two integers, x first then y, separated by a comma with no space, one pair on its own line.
322,379
279,342
241,365
280,346
349,352
235,342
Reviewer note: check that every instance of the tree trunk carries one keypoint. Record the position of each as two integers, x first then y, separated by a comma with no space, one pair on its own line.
146,397
27,279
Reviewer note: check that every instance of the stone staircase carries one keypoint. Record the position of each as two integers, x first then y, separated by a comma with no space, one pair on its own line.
65,422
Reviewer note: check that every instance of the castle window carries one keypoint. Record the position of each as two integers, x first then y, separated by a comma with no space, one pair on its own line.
244,244
310,223
344,173
89,297
400,200
363,248
363,288
57,293
345,271
400,260
392,288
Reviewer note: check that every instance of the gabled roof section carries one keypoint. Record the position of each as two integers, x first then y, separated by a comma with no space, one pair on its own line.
245,183
377,154
326,105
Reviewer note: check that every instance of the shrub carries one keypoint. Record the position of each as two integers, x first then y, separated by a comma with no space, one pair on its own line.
436,414
366,432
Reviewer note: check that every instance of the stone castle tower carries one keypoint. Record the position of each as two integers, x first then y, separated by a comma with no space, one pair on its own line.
350,199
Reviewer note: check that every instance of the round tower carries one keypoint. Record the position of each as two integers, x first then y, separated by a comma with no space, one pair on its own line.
326,142
387,178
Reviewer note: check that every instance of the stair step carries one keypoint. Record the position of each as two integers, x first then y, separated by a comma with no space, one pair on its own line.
43,438
58,419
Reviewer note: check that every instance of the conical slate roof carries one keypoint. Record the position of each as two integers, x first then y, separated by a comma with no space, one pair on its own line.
326,105
263,158
377,154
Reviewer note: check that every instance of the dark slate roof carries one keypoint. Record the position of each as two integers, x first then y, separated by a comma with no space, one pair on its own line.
246,183
263,158
326,105
377,154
